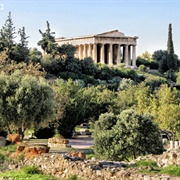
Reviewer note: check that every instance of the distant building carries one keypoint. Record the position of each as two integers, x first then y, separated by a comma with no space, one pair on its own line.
110,48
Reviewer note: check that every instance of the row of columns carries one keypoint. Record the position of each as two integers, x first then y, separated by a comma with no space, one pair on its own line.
108,53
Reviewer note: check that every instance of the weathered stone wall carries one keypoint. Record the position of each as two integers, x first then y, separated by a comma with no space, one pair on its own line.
169,157
62,166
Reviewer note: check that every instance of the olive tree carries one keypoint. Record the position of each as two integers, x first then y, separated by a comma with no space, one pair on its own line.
26,101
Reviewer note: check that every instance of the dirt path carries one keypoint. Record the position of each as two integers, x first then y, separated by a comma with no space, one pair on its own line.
81,142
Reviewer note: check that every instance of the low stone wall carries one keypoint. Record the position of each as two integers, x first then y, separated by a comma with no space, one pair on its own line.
62,166
169,157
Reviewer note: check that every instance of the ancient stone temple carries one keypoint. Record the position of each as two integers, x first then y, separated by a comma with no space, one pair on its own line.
110,48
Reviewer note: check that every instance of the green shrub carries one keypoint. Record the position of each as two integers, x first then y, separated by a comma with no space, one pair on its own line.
154,81
3,133
143,163
88,66
126,73
104,72
45,133
132,135
106,121
72,177
142,68
90,154
31,170
8,148
2,158
151,64
171,170
125,83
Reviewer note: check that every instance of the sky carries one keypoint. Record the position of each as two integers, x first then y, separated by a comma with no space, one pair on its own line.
147,19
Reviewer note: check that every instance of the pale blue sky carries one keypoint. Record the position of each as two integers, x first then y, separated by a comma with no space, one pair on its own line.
147,19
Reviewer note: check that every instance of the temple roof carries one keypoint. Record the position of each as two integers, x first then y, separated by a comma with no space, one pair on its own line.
114,33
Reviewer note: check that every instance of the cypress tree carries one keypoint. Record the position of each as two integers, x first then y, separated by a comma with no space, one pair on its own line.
171,61
8,34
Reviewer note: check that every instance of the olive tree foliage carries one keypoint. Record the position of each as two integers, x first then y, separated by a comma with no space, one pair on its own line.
102,100
26,101
165,108
125,83
9,67
132,135
72,105
106,121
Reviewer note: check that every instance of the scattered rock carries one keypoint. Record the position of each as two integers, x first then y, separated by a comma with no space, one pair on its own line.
62,166
14,138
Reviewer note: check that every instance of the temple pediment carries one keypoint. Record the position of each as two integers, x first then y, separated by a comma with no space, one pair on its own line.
114,33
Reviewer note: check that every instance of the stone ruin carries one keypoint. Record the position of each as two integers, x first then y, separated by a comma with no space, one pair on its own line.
30,151
169,157
58,142
62,166
14,138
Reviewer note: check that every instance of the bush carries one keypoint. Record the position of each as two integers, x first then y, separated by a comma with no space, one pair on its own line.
126,73
106,121
154,81
74,76
131,136
72,177
171,170
88,66
142,68
104,72
31,170
2,158
151,64
3,133
125,83
143,163
44,133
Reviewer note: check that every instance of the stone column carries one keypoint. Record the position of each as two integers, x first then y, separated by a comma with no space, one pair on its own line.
176,144
95,53
76,52
126,60
90,50
102,53
119,54
129,55
85,51
80,52
171,144
134,56
110,55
